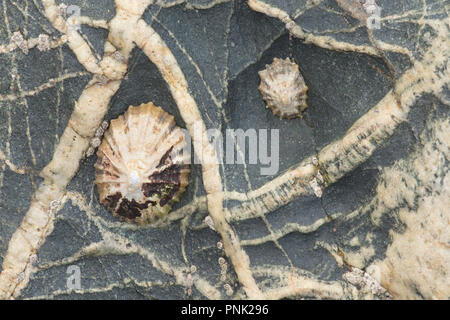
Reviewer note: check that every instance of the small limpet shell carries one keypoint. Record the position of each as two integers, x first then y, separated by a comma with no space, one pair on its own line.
283,88
141,168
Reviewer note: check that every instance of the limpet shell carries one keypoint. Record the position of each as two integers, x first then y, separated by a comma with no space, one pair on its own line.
141,168
283,88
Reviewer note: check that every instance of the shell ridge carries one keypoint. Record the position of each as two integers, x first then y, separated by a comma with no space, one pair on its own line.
119,164
164,132
154,167
118,144
145,124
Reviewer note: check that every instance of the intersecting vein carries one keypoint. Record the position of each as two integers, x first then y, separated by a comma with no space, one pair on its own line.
58,97
125,283
16,79
292,282
49,84
297,31
85,118
75,40
360,141
290,228
429,75
194,64
115,244
12,166
151,43
90,22
189,5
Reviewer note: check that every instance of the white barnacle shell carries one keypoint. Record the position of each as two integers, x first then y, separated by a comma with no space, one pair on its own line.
142,167
283,88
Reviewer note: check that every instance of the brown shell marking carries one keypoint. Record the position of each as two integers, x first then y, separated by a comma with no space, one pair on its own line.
141,169
283,88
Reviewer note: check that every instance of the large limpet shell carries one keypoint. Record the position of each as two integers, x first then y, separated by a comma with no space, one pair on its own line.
283,88
141,169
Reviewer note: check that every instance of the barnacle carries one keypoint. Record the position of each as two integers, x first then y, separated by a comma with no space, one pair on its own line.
142,168
283,88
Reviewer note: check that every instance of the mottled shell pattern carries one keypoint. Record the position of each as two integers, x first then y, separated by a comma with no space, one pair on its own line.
141,169
283,88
